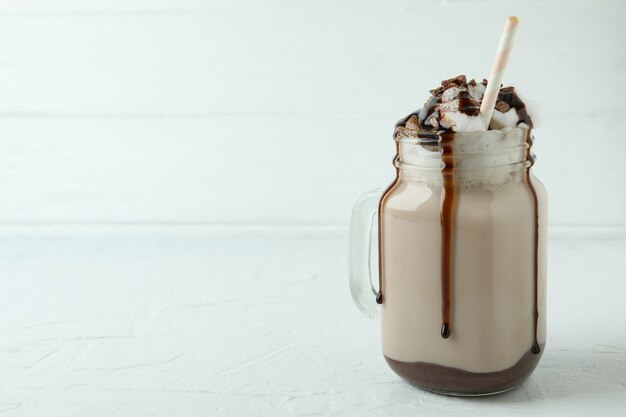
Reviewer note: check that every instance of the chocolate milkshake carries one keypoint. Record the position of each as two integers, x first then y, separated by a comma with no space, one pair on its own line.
481,217
462,246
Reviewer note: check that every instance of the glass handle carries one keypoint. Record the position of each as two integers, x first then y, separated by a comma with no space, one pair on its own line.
363,253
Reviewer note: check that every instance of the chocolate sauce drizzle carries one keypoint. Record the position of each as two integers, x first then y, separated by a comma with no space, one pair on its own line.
381,203
531,161
447,215
507,98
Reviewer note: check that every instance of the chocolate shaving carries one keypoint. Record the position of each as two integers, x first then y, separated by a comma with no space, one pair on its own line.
437,91
412,123
502,106
458,81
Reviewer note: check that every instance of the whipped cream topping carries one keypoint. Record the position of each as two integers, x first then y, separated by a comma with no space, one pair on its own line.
455,106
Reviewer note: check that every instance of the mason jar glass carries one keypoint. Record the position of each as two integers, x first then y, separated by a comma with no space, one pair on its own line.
462,239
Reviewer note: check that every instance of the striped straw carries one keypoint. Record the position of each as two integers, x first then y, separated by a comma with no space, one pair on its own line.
497,70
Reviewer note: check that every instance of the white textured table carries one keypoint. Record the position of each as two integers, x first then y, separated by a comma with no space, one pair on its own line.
170,323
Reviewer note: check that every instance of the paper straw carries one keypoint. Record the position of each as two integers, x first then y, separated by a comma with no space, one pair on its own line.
497,70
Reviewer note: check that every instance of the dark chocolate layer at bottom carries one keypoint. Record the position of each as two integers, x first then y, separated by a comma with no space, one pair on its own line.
448,380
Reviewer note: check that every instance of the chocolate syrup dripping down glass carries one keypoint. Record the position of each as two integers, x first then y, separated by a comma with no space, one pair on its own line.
380,297
447,208
531,159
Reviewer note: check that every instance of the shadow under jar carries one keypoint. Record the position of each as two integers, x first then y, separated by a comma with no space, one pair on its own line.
462,261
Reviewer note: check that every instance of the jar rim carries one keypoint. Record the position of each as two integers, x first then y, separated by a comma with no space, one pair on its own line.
503,149
418,137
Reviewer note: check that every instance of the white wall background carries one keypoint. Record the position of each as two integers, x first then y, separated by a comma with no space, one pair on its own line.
279,111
